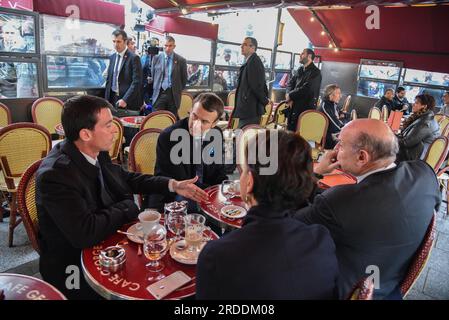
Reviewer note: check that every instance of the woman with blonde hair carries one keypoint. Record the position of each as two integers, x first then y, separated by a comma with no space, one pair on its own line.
329,106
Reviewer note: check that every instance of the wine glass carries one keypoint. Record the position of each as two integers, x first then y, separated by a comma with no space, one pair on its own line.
194,229
176,224
155,247
227,190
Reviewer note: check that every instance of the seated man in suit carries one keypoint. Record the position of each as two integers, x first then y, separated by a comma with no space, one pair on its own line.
124,79
380,221
192,134
82,197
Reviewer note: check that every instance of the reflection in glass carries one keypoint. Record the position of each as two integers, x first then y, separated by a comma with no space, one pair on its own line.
265,57
197,75
281,80
229,55
283,60
426,77
17,33
225,80
76,72
412,91
61,37
18,80
373,89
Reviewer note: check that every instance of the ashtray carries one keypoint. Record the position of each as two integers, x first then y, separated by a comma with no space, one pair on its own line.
112,258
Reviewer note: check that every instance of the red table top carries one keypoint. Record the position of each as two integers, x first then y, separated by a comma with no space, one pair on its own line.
213,207
131,282
59,129
21,287
133,122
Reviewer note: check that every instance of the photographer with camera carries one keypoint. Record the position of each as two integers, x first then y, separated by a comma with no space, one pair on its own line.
151,48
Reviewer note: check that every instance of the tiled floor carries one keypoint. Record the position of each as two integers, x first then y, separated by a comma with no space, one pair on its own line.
432,284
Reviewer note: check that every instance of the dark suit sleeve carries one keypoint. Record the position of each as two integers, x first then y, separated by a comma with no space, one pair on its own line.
207,284
134,89
256,80
311,85
82,226
320,212
292,83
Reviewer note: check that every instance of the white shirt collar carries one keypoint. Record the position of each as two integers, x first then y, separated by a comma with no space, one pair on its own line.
91,160
121,54
362,177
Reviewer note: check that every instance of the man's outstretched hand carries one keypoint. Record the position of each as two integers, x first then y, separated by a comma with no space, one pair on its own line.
188,189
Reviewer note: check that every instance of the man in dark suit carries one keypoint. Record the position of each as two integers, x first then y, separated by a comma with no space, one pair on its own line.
378,223
82,197
169,72
251,95
303,88
196,134
124,80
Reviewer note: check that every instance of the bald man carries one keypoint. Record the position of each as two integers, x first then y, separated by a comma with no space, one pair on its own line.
378,223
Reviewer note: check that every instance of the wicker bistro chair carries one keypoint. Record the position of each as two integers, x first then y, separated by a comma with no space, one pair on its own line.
21,144
439,117
437,153
375,113
26,198
47,112
231,98
158,120
363,290
384,114
279,118
420,259
186,105
142,151
5,115
312,126
353,114
267,115
443,123
116,149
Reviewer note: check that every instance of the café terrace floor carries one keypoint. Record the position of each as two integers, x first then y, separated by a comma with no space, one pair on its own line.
432,284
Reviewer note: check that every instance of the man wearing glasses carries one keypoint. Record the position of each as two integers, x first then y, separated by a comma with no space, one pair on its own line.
252,92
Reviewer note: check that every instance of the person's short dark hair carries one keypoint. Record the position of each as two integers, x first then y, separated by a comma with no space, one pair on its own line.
170,39
210,102
293,182
311,52
400,89
119,32
387,90
81,112
253,42
426,99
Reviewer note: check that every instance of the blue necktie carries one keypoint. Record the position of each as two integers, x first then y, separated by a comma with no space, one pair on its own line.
165,82
114,75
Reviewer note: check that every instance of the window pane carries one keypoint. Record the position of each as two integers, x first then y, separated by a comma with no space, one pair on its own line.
17,33
90,38
425,77
76,72
192,48
228,55
373,89
283,60
225,80
265,56
294,39
197,75
18,80
412,91
281,80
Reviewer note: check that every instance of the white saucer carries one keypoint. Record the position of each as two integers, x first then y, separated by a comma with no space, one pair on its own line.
184,255
133,229
242,212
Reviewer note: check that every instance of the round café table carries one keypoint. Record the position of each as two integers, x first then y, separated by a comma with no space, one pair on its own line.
131,282
22,287
59,129
212,208
132,122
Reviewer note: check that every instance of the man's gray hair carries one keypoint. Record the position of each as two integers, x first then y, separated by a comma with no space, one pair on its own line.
377,148
170,39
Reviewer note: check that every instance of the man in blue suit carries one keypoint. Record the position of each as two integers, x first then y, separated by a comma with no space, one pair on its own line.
124,80
169,72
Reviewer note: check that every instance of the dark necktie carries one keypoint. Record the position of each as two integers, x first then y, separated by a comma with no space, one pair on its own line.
114,75
104,194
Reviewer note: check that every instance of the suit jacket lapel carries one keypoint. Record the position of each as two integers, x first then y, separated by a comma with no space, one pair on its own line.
125,56
75,155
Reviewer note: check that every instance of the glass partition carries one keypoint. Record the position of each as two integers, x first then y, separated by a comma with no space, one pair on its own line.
283,60
228,55
17,33
18,79
193,48
225,80
197,75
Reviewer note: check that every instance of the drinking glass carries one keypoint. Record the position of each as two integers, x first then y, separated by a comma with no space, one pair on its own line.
176,224
227,190
155,247
194,229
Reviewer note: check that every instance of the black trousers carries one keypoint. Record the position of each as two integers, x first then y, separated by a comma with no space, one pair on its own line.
165,101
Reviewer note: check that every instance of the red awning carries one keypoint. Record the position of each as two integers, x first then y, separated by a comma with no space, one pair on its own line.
17,4
92,10
183,26
414,35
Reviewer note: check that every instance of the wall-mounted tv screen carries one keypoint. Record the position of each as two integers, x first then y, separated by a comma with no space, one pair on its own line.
373,89
426,77
380,70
